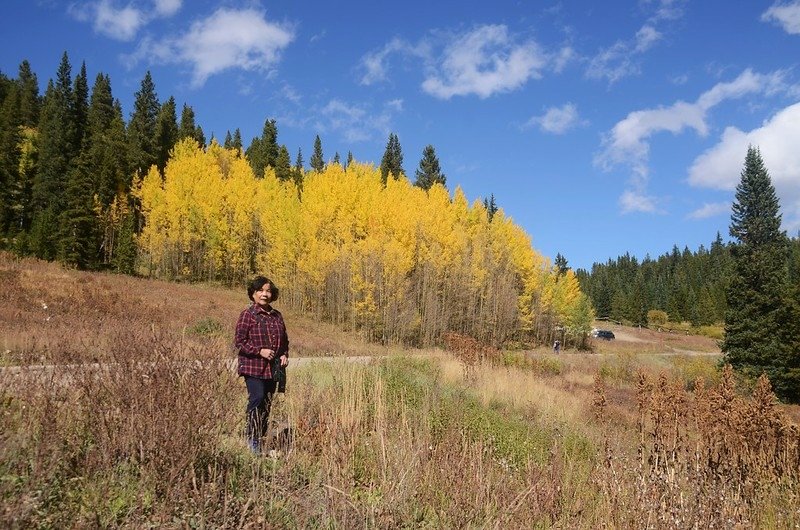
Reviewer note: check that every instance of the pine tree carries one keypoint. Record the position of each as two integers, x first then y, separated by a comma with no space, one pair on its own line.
283,166
142,127
349,160
756,321
236,143
57,134
561,265
429,172
29,103
336,158
80,107
317,159
299,169
491,209
78,237
188,128
264,150
9,157
166,132
392,161
228,143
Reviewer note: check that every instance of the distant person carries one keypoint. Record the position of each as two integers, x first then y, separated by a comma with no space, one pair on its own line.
557,346
263,347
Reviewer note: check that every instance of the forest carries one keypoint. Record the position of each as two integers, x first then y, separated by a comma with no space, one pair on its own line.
687,286
348,242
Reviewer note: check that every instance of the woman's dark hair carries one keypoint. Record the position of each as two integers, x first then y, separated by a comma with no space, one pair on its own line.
260,281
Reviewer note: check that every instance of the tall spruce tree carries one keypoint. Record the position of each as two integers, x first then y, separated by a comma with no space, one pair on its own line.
491,206
349,160
142,127
429,172
29,102
317,158
80,107
298,171
9,157
166,132
392,161
57,132
283,166
236,142
756,321
188,128
263,150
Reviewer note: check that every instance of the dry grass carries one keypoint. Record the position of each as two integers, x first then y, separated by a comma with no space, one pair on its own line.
152,437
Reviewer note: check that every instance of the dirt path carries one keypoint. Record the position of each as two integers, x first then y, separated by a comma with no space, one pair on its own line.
667,343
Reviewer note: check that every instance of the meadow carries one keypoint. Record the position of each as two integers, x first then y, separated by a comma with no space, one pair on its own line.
120,409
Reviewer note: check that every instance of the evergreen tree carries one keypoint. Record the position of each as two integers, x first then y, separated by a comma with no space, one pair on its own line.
228,143
80,107
349,160
429,172
9,157
299,169
188,128
561,264
236,143
283,166
166,132
392,161
264,150
142,127
124,258
57,134
336,158
29,100
78,237
756,322
317,158
491,207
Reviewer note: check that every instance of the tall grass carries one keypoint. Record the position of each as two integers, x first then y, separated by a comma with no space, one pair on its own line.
152,434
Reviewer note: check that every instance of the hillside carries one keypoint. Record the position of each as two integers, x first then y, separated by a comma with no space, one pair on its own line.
151,435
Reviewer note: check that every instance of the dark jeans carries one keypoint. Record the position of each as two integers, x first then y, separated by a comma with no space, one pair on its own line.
259,401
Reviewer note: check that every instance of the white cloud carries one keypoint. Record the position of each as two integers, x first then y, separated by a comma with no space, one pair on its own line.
227,39
646,37
557,120
122,23
632,201
712,209
561,59
484,61
167,8
375,64
357,123
618,60
720,167
787,15
628,144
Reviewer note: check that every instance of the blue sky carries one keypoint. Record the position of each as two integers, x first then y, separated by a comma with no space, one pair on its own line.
600,127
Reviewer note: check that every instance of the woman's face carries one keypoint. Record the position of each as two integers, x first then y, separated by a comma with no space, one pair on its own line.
263,296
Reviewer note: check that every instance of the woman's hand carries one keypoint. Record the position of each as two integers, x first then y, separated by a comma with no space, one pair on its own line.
284,360
267,353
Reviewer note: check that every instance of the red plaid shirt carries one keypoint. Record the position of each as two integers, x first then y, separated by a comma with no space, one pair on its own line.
259,328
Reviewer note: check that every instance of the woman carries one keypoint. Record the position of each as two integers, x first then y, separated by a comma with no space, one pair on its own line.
263,355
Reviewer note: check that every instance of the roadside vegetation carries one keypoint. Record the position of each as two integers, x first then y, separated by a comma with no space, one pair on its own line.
415,438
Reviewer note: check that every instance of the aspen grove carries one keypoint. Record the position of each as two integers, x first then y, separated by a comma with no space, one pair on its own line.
395,262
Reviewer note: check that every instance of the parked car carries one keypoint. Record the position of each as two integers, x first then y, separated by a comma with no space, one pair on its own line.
603,334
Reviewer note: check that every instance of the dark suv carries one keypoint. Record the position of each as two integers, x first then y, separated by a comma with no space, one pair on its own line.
604,334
